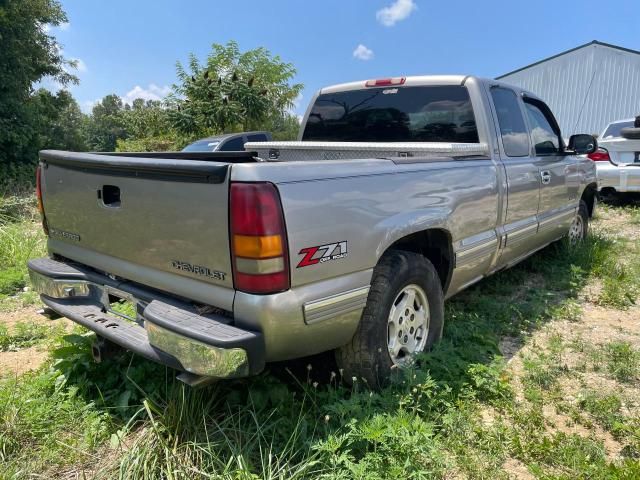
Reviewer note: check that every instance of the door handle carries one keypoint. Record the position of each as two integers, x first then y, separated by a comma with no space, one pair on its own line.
545,177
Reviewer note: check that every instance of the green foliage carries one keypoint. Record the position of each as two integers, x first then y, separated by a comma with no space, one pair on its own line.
106,125
50,419
19,242
231,91
11,280
623,361
283,127
60,123
605,409
23,335
28,54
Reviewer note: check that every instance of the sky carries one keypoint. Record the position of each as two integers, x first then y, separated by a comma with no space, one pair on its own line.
130,47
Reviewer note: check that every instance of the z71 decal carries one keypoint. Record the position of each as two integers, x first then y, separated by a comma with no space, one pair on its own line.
322,253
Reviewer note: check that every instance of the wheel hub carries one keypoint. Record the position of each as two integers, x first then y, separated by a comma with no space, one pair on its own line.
408,324
576,231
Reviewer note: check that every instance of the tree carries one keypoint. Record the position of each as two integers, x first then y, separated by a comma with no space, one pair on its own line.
59,123
148,127
284,127
106,124
231,91
28,53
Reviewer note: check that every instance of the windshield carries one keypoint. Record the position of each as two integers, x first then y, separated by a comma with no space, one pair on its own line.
405,114
614,129
202,146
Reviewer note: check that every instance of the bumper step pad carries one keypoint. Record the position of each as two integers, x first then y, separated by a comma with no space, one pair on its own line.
115,329
175,335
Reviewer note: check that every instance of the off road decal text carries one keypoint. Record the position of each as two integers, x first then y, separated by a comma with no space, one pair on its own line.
322,253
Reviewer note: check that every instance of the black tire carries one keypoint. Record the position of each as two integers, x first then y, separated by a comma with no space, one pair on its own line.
630,133
582,218
367,356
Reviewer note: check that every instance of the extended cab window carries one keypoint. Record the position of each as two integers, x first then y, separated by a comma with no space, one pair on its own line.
515,137
398,114
544,131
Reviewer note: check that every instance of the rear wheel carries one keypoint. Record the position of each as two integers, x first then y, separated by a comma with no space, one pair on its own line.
403,317
580,225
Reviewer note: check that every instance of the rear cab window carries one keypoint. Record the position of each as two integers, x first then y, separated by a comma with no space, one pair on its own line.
396,114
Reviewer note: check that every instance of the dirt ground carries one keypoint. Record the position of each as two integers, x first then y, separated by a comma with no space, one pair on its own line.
15,363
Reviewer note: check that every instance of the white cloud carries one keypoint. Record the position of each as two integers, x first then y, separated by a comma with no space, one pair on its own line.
397,11
64,26
363,53
152,92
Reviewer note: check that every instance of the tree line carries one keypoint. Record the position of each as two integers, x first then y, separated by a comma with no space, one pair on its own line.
229,91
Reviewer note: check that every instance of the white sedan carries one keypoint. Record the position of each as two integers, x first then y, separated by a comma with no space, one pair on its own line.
618,159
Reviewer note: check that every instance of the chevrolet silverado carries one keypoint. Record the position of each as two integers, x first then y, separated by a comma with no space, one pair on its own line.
399,193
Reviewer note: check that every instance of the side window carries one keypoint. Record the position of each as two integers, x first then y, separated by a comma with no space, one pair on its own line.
545,135
260,137
234,145
515,137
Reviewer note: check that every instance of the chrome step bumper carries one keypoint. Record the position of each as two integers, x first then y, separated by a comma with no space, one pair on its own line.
166,330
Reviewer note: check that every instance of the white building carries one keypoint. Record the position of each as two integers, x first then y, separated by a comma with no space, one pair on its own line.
586,87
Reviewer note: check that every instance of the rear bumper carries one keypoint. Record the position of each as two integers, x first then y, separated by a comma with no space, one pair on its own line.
620,178
165,330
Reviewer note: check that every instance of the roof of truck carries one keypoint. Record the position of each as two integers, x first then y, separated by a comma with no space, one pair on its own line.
425,80
409,81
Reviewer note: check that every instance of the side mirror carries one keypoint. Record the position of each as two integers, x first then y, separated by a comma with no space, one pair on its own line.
582,144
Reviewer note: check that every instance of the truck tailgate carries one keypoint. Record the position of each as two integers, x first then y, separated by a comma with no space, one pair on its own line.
159,222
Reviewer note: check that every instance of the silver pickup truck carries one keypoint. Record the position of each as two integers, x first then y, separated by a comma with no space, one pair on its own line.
400,193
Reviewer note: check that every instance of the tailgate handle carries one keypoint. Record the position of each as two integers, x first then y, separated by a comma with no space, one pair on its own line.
110,195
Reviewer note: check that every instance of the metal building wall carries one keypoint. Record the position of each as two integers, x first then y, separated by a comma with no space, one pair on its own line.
586,88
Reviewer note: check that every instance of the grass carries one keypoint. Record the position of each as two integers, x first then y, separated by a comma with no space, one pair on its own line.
623,361
22,335
459,414
21,238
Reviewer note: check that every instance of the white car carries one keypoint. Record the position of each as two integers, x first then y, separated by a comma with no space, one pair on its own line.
618,159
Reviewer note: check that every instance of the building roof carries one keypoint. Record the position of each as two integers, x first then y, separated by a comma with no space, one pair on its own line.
594,42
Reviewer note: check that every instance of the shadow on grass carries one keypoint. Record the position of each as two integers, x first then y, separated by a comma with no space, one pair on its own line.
296,422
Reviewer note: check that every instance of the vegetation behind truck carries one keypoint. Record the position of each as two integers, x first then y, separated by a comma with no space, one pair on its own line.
399,193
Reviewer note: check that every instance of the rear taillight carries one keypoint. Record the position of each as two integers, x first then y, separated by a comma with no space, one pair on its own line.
600,155
258,239
39,197
386,82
